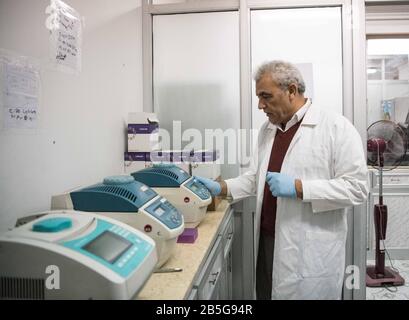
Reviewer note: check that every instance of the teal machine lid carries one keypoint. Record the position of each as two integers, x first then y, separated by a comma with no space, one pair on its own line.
114,194
162,175
52,225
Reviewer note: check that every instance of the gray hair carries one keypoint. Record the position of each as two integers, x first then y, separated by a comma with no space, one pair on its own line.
283,73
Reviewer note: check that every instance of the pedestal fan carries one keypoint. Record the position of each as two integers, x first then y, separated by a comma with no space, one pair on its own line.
386,145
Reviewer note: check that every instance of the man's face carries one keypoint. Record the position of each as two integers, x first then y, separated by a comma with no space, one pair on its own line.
274,101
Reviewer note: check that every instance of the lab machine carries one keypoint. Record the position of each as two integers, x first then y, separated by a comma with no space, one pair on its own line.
186,193
129,201
74,255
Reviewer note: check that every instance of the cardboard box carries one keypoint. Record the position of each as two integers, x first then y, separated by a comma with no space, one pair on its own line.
201,163
134,161
143,132
204,163
196,163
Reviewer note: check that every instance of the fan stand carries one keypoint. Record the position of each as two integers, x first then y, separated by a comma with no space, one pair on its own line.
379,275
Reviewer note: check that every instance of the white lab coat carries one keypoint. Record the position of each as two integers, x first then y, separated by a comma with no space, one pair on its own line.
326,153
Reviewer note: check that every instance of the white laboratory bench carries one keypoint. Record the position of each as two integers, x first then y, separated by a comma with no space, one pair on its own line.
206,263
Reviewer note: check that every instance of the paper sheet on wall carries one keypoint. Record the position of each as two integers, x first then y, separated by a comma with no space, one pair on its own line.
65,37
20,111
20,96
20,80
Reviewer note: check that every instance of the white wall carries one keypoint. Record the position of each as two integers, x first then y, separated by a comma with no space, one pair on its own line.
317,51
81,134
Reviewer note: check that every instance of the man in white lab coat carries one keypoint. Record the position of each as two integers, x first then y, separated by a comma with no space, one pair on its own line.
308,167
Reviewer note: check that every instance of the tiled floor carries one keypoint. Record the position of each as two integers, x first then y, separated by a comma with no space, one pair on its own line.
393,293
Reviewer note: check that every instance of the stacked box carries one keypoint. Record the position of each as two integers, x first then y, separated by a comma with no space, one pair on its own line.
205,163
143,132
135,161
144,150
196,162
142,138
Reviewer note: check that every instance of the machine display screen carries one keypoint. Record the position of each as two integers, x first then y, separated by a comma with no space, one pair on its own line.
194,187
108,246
159,211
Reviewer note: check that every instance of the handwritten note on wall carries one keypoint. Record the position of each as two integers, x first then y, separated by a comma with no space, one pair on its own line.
20,94
65,37
21,80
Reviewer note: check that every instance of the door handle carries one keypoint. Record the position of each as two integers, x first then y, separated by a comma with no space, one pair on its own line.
215,275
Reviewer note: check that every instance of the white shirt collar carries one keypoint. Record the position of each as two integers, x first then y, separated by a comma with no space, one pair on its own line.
297,116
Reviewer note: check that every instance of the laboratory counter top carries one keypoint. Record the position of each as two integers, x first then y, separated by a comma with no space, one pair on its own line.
188,256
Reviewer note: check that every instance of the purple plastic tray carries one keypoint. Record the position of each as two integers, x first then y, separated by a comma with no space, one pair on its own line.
189,235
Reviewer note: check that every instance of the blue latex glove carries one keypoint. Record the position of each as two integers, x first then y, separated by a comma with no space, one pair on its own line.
214,187
281,185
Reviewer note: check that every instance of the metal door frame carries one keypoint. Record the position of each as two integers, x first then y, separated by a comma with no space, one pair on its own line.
354,84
